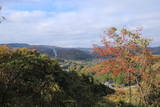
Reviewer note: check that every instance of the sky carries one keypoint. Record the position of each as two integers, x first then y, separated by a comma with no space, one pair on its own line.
75,23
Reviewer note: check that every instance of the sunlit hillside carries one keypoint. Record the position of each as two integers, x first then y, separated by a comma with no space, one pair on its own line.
79,53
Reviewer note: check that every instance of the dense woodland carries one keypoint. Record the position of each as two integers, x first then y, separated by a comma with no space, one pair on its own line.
125,75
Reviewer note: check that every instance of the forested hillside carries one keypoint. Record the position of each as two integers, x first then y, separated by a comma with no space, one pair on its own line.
66,53
31,79
79,53
59,52
40,76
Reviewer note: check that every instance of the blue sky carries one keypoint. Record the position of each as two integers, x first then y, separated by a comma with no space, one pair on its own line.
75,23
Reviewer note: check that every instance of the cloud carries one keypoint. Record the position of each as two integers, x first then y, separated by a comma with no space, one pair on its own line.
72,23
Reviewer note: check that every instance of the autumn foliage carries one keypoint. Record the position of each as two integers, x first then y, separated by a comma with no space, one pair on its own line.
125,52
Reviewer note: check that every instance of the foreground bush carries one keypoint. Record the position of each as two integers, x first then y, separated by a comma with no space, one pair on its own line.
29,79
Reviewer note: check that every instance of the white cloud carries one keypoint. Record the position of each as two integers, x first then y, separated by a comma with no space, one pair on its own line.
81,26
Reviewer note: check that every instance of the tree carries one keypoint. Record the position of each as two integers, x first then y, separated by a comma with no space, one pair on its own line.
2,18
126,52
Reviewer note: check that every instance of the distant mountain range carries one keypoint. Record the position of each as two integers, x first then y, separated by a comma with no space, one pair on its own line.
65,53
155,50
59,52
